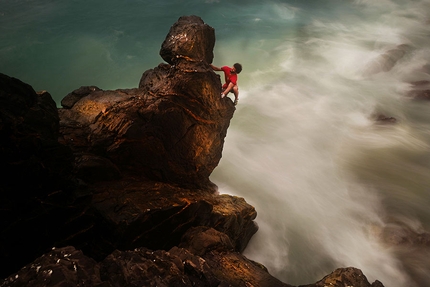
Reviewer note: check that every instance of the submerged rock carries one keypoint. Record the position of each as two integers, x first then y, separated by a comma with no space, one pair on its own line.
383,119
386,61
420,94
420,90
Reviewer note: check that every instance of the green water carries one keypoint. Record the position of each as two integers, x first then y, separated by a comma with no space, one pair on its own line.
302,147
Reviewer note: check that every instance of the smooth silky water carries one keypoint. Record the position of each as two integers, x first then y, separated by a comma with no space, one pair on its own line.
303,148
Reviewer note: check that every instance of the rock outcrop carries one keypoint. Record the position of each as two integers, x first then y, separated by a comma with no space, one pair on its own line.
113,189
171,128
36,188
205,258
345,277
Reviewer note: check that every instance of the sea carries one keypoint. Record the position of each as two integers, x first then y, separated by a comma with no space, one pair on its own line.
332,186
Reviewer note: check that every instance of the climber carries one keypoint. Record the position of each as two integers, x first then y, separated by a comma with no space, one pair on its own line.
230,84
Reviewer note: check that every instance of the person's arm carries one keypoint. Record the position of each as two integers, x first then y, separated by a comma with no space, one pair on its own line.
215,68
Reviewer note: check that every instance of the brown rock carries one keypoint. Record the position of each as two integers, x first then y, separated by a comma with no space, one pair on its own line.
146,155
400,234
383,119
345,277
420,90
60,267
156,215
217,265
228,266
143,267
172,128
76,95
189,38
419,94
37,202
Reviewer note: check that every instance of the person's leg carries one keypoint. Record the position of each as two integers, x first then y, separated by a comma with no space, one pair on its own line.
236,94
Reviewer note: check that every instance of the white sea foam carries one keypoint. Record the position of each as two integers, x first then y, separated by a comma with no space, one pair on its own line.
303,147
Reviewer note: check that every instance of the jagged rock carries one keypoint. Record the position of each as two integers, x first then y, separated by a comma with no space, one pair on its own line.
216,264
91,168
228,266
172,132
37,204
28,137
69,100
60,267
171,128
190,39
143,267
122,175
155,215
345,277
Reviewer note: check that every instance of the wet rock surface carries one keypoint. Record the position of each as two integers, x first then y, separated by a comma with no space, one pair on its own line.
118,181
345,277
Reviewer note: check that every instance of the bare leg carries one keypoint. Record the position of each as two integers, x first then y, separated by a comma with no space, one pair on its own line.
236,94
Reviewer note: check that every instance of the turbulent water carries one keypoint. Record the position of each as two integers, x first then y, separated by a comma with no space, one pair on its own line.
331,188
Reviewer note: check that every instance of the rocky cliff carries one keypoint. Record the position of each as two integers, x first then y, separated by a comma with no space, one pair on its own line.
113,188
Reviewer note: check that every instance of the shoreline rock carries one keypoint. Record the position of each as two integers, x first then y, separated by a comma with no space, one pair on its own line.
118,181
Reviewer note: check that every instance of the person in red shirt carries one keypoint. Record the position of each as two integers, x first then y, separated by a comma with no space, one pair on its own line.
230,85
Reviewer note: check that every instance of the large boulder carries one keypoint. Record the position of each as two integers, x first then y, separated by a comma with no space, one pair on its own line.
139,213
171,128
189,39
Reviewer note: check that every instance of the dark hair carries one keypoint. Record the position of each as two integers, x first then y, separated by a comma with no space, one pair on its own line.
238,67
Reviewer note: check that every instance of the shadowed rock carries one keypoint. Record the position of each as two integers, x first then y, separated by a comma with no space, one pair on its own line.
119,181
216,264
37,198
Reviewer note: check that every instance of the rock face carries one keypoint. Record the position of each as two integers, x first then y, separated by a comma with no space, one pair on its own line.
36,189
208,260
180,44
171,128
345,277
118,181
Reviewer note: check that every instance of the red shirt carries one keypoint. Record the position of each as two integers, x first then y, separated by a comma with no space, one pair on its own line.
229,76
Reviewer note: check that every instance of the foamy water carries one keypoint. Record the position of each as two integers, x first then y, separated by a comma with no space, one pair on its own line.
302,146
